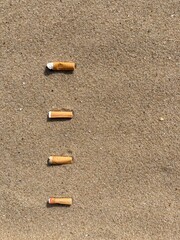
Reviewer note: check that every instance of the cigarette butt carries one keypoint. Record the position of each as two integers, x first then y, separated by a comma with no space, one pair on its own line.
60,200
63,66
60,160
60,114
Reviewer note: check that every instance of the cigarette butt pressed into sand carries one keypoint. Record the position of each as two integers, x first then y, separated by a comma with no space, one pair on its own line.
62,66
54,160
60,114
60,200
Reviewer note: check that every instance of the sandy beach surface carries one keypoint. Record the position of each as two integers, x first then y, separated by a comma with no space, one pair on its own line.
124,136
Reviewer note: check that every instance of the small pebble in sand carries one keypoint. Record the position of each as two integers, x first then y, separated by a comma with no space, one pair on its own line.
20,109
161,119
24,83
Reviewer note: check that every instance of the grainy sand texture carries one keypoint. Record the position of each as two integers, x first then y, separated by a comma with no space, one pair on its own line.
125,134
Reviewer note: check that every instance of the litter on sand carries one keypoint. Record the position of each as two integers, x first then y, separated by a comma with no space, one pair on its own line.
62,66
55,160
60,200
60,114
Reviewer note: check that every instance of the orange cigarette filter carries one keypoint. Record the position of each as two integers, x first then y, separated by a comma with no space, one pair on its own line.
60,200
55,160
60,114
62,66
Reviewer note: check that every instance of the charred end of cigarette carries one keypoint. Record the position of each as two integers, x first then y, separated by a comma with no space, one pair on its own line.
50,66
50,160
49,114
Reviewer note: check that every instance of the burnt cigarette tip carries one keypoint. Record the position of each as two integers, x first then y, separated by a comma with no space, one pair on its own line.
49,114
50,159
50,65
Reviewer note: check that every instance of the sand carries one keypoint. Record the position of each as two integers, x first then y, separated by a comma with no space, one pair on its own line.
125,132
